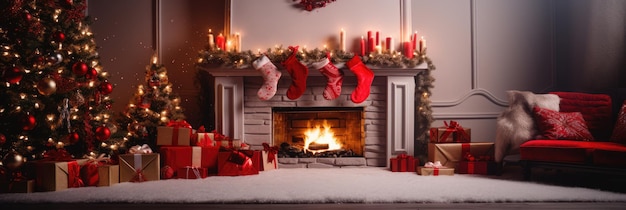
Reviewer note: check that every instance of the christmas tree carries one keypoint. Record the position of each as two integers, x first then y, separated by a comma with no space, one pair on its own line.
154,104
54,90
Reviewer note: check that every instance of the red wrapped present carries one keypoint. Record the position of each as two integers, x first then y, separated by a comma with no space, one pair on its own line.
90,172
255,156
176,133
450,133
477,167
190,172
225,141
270,157
57,171
403,163
235,163
178,157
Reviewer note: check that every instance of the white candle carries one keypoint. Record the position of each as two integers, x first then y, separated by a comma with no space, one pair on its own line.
422,44
238,42
211,40
342,40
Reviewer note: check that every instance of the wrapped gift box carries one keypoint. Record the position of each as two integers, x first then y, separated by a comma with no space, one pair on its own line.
19,186
179,157
235,163
205,139
108,175
256,157
191,173
430,171
139,167
173,136
449,135
477,167
403,163
270,161
449,154
58,175
229,143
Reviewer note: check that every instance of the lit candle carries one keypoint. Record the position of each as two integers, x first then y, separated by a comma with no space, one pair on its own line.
237,42
229,45
408,49
379,49
422,44
211,40
221,42
342,40
362,46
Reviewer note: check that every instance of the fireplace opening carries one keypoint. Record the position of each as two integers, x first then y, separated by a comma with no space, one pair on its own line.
319,131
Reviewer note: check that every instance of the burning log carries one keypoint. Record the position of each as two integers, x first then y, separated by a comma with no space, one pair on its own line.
316,146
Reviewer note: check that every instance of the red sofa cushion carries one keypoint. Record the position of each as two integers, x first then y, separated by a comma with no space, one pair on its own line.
582,152
561,125
619,131
595,108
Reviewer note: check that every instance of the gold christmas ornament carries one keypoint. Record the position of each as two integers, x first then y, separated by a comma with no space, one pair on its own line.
47,86
13,160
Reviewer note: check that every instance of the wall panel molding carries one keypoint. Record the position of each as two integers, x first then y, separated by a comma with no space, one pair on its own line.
473,92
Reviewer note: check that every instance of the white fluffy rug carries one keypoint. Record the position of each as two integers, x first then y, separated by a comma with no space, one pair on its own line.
345,185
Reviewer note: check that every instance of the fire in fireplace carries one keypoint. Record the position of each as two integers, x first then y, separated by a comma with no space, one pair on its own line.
319,132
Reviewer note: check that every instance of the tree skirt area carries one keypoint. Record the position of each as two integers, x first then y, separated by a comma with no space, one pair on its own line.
336,185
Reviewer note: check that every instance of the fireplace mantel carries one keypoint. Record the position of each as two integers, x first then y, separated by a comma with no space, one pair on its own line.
393,91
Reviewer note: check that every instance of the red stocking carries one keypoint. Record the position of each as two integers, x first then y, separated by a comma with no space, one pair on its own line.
334,76
298,72
270,77
364,77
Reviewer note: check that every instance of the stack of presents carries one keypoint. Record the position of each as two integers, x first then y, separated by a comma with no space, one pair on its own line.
450,151
182,154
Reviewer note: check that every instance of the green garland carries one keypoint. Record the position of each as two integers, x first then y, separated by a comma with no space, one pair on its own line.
424,81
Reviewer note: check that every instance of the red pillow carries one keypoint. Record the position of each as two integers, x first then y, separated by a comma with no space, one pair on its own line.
619,131
561,125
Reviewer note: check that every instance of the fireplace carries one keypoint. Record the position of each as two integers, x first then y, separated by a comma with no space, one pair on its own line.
387,121
318,131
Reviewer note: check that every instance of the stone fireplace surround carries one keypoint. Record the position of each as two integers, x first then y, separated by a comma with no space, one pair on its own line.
389,110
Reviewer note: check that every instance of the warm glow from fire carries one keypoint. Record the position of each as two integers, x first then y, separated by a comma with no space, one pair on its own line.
320,136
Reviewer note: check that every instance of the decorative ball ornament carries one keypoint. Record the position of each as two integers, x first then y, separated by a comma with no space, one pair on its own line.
103,133
12,75
54,58
105,88
12,160
58,36
3,139
27,122
27,16
74,137
92,73
80,68
46,86
167,172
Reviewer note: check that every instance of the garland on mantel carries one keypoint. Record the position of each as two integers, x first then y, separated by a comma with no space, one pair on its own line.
243,60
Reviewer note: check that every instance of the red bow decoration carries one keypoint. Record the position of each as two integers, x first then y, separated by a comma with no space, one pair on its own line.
57,155
73,175
402,156
452,127
271,152
469,157
139,177
178,124
220,137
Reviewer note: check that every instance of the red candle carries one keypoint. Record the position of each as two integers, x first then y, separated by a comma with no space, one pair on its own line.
220,41
415,41
371,46
408,50
389,44
362,46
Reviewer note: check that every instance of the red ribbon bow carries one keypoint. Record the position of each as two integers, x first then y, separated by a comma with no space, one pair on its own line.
469,157
178,124
271,152
402,156
57,155
139,177
452,127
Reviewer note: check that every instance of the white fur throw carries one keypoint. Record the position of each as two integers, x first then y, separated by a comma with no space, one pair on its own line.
516,124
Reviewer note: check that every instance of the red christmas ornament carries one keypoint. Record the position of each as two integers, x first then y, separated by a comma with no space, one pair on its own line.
103,133
58,36
92,73
106,88
80,68
167,172
74,137
3,139
28,122
13,75
27,16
